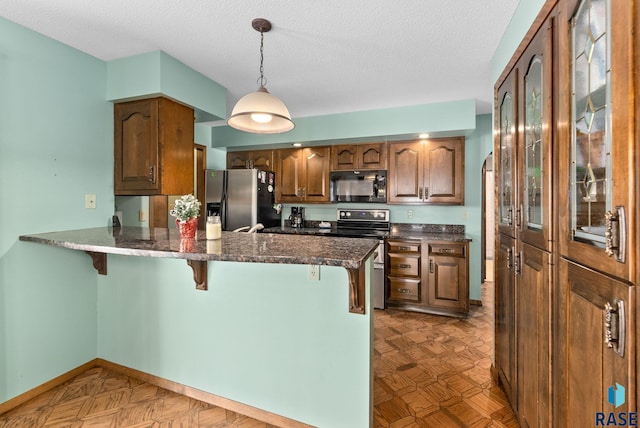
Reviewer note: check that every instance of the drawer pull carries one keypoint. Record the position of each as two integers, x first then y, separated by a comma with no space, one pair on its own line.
404,248
404,266
404,290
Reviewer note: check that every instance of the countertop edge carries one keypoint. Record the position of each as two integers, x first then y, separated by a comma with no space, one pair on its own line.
51,240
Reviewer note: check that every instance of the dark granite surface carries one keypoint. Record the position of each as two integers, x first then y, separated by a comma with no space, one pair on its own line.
235,247
429,232
422,232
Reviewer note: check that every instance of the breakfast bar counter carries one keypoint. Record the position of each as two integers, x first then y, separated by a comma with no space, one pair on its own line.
350,254
272,338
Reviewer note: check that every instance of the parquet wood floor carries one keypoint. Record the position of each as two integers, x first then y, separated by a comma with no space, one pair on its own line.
434,371
103,398
430,371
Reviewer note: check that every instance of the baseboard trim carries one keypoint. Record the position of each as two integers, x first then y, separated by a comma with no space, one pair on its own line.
41,389
475,302
225,403
216,400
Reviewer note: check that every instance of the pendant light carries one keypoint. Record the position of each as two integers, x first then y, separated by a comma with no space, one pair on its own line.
260,112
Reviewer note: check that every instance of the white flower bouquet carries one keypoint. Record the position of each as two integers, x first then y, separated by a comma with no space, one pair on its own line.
185,208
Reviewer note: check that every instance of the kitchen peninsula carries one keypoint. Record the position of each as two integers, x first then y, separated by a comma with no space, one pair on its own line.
265,335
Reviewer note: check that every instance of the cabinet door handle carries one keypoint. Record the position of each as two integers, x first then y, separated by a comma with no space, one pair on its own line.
615,234
404,266
152,173
431,266
615,326
509,258
420,193
426,193
404,290
510,216
517,263
519,218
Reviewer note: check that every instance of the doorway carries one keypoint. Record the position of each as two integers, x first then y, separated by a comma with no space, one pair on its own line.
487,237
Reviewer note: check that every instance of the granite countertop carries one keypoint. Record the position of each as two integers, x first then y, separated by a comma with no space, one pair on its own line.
236,247
429,232
422,232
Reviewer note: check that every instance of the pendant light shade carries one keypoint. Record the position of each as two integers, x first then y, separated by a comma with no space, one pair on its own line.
260,112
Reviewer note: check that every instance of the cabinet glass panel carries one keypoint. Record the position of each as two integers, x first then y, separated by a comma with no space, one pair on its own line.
533,145
591,122
506,159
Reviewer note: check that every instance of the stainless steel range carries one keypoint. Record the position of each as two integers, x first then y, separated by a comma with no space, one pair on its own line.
368,223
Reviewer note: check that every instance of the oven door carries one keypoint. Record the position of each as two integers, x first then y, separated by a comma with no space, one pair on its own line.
358,186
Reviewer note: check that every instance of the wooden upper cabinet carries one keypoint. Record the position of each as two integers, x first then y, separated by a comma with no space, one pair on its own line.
153,147
315,171
261,159
302,175
596,140
430,172
288,175
355,157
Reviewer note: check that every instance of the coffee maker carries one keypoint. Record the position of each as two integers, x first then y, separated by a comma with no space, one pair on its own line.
297,217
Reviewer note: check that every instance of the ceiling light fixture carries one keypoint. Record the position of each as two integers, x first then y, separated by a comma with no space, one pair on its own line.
260,112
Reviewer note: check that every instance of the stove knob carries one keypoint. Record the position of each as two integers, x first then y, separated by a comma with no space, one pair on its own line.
348,214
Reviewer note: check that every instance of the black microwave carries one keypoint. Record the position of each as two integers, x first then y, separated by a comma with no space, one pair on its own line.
358,186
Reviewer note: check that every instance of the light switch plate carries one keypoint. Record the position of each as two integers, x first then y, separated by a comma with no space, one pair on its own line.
90,201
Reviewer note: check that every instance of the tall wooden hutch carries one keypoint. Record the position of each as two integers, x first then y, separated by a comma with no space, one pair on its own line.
566,124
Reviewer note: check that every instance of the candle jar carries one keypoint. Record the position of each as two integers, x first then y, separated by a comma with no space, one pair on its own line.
214,227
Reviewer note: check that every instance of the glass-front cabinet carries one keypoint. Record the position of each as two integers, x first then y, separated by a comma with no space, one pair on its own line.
506,159
535,142
598,161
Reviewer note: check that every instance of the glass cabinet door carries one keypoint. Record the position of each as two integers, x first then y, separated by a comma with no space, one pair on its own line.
590,136
597,145
535,148
506,155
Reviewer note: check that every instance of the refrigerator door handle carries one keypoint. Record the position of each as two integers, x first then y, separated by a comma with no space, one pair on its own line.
223,203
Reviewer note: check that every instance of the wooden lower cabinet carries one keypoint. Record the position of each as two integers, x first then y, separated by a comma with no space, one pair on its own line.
427,277
586,367
448,277
533,335
505,316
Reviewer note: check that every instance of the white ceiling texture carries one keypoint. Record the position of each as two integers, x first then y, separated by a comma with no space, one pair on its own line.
321,57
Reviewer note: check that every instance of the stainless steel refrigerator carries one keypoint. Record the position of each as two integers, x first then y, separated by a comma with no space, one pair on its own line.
242,197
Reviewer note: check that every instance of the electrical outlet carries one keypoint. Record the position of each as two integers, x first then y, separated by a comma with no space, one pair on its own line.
90,201
314,272
409,213
142,215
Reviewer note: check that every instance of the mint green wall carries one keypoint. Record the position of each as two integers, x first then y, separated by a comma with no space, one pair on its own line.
521,20
56,145
458,116
157,73
263,334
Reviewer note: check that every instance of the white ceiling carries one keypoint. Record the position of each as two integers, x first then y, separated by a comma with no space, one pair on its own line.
321,57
